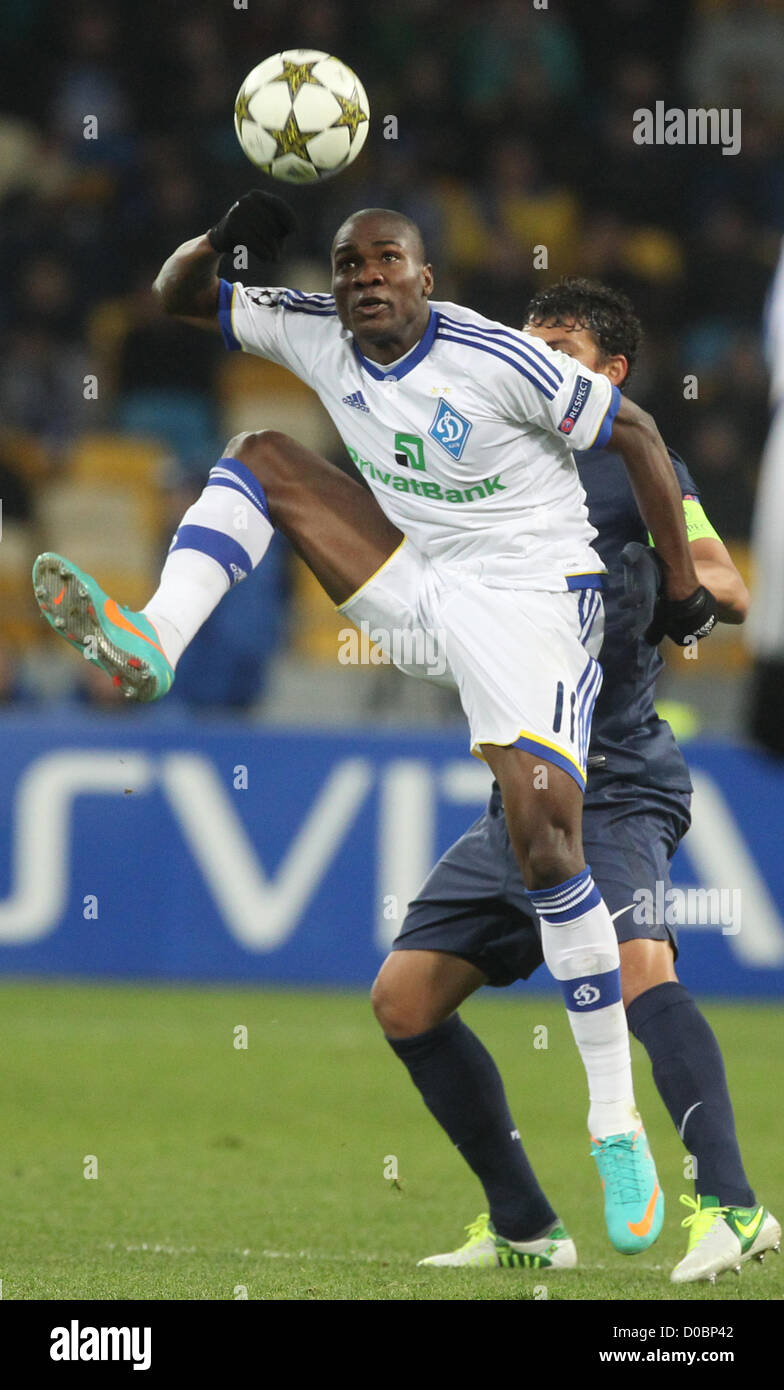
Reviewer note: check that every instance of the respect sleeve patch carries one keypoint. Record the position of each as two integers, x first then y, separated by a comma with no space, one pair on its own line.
580,395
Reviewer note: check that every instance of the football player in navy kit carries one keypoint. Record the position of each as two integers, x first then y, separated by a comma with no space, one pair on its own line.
472,923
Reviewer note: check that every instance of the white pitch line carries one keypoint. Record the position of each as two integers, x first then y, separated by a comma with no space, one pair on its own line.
159,1248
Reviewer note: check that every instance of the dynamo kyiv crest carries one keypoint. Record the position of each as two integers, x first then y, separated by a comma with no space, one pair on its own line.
450,429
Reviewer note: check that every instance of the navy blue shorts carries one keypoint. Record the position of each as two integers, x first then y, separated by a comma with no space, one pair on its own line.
474,903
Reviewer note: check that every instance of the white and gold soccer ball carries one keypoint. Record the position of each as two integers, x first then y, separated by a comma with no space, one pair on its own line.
301,115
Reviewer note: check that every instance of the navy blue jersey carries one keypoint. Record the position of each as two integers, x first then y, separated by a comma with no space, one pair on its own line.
626,732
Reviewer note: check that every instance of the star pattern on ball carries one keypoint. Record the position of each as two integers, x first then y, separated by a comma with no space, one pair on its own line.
297,75
241,108
290,140
351,113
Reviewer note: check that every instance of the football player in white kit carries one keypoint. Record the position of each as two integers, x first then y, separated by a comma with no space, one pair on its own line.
476,532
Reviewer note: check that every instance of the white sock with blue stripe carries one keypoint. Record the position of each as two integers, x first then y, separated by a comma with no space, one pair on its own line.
220,539
581,951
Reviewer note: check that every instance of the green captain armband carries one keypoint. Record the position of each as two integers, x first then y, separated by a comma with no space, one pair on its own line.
698,527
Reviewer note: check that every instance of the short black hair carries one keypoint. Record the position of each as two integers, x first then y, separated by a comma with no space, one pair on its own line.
607,313
402,220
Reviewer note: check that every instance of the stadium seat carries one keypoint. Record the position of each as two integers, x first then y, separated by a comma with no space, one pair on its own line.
30,456
314,624
181,420
20,623
113,458
257,395
107,462
107,326
107,529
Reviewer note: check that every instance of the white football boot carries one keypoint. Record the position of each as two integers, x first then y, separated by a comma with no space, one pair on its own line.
722,1238
485,1249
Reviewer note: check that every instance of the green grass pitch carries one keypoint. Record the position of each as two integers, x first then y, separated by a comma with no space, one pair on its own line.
225,1172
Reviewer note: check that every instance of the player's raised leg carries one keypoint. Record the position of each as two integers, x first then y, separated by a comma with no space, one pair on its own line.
581,950
264,480
415,998
123,643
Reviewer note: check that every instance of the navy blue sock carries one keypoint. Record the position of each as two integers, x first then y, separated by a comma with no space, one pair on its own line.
689,1073
461,1086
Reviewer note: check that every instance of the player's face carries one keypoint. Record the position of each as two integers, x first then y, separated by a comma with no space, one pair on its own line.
577,341
380,286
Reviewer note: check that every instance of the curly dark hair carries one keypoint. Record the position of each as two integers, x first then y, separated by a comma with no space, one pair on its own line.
606,313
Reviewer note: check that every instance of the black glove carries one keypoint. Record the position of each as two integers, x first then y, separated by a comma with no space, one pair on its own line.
642,578
685,619
260,221
645,610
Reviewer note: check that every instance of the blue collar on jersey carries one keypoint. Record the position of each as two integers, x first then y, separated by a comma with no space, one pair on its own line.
407,365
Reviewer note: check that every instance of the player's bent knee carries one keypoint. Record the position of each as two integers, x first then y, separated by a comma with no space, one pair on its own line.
397,1013
252,445
237,444
551,859
645,964
386,1005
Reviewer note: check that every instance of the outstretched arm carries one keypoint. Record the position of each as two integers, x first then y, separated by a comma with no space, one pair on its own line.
187,284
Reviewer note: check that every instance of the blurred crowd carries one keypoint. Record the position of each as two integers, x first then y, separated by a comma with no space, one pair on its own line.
514,132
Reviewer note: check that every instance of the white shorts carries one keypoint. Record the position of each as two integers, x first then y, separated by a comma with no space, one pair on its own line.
523,660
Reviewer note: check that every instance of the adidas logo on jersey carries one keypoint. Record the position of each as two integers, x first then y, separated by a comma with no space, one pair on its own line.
237,574
357,400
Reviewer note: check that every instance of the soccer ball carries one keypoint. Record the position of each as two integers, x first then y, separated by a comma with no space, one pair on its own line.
301,115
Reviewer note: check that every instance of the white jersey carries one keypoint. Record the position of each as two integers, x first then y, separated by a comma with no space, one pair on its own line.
466,441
